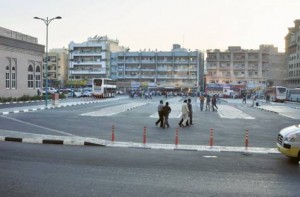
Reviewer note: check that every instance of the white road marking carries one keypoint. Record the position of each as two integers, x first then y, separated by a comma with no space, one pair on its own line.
109,111
207,156
226,111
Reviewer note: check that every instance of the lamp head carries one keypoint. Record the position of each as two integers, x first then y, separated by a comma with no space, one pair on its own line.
36,17
58,17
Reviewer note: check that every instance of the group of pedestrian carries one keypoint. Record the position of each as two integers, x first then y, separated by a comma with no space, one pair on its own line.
186,113
210,102
163,114
165,110
186,110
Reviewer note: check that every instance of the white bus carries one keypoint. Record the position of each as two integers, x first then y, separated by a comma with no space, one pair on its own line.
276,93
294,94
103,87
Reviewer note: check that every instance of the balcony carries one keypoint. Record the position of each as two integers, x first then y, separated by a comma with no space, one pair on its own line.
224,68
89,63
148,61
181,77
164,69
165,61
148,69
87,72
87,52
148,76
253,68
130,69
164,77
181,70
129,76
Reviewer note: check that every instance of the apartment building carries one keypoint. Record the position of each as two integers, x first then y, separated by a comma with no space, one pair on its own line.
292,50
57,67
175,69
252,68
91,59
20,64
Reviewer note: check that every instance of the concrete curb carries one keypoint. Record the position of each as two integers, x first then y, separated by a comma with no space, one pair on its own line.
6,103
262,109
82,141
50,107
50,141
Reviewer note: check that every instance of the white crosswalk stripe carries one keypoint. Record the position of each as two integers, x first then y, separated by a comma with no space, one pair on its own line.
112,110
227,111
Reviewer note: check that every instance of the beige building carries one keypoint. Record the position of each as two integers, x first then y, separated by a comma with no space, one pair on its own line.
253,68
20,64
91,59
57,67
178,68
292,50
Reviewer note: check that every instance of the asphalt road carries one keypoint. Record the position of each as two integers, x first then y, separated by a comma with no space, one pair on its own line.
53,170
263,126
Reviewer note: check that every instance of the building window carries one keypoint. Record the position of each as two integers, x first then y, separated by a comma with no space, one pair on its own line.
7,78
30,76
37,77
13,78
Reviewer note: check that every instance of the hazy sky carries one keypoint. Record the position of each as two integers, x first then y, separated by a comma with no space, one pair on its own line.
156,24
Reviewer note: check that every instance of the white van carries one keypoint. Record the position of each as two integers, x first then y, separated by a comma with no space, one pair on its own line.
288,142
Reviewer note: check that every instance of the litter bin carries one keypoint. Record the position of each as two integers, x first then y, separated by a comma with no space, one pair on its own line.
55,99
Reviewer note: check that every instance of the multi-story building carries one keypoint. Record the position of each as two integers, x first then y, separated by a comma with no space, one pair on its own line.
57,67
91,59
20,64
252,68
292,50
173,69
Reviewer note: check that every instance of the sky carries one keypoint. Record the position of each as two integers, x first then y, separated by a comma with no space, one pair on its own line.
155,24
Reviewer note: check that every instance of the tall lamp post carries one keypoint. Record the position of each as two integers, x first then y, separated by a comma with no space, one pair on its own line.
47,22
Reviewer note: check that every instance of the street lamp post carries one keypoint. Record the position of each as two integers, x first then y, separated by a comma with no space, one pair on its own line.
47,22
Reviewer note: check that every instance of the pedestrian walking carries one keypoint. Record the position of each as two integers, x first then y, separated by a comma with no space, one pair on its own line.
38,92
214,103
160,113
244,98
189,104
166,112
184,114
218,99
207,107
201,98
253,100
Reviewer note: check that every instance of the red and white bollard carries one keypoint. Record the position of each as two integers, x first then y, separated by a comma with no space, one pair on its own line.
113,133
211,138
144,136
177,137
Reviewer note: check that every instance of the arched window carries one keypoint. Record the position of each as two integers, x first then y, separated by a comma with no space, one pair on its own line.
13,77
7,78
38,77
30,76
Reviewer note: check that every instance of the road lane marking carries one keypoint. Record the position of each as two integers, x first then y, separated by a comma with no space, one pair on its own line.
112,110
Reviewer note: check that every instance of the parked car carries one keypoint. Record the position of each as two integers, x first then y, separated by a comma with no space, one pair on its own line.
288,142
50,90
87,93
119,92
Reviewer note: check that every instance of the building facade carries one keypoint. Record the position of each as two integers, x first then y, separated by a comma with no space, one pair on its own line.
252,68
175,69
20,64
57,67
292,51
91,59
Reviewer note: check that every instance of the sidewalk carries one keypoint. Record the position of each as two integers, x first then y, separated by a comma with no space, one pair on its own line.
61,103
